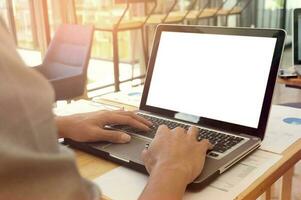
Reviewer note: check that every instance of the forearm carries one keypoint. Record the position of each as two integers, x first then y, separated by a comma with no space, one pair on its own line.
165,184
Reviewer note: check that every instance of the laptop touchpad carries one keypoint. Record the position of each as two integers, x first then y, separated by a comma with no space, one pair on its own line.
130,151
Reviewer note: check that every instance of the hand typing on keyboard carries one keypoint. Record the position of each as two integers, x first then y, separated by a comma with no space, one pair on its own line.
90,127
221,141
173,159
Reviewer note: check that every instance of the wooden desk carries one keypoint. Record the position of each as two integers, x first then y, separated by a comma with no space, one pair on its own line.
291,82
92,167
283,168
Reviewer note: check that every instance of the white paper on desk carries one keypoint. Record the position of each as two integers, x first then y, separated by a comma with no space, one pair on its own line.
125,184
130,97
280,135
80,106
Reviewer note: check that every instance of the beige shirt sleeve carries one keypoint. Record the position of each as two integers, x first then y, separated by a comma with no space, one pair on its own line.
32,164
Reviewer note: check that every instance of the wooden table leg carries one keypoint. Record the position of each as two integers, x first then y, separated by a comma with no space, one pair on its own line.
116,60
267,194
286,185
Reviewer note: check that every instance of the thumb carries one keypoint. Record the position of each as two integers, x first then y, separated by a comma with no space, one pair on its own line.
113,136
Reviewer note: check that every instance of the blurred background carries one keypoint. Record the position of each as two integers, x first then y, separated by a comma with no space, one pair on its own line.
34,22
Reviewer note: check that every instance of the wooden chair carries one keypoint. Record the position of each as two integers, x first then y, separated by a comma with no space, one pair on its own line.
195,14
171,15
237,9
157,18
207,11
125,22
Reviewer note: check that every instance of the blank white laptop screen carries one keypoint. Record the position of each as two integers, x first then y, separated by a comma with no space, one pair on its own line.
221,77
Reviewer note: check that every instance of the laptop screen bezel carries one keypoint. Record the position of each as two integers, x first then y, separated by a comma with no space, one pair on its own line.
297,13
211,123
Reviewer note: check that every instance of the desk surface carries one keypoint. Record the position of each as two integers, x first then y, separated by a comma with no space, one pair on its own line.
291,82
290,157
92,167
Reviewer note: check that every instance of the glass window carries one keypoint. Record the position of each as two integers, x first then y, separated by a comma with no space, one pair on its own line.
4,12
24,22
101,13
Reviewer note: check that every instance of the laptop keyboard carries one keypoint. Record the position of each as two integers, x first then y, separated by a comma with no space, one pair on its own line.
222,142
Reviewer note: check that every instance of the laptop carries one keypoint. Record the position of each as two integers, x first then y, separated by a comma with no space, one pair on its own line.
220,80
297,40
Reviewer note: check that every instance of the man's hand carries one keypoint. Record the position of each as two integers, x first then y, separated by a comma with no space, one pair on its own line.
174,159
89,127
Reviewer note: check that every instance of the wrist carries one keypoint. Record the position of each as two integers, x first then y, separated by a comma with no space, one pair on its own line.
61,125
166,182
172,169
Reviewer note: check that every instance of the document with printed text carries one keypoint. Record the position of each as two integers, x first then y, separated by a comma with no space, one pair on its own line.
125,184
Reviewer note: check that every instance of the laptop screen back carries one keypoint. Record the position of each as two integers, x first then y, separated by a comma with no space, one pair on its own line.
297,36
220,77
